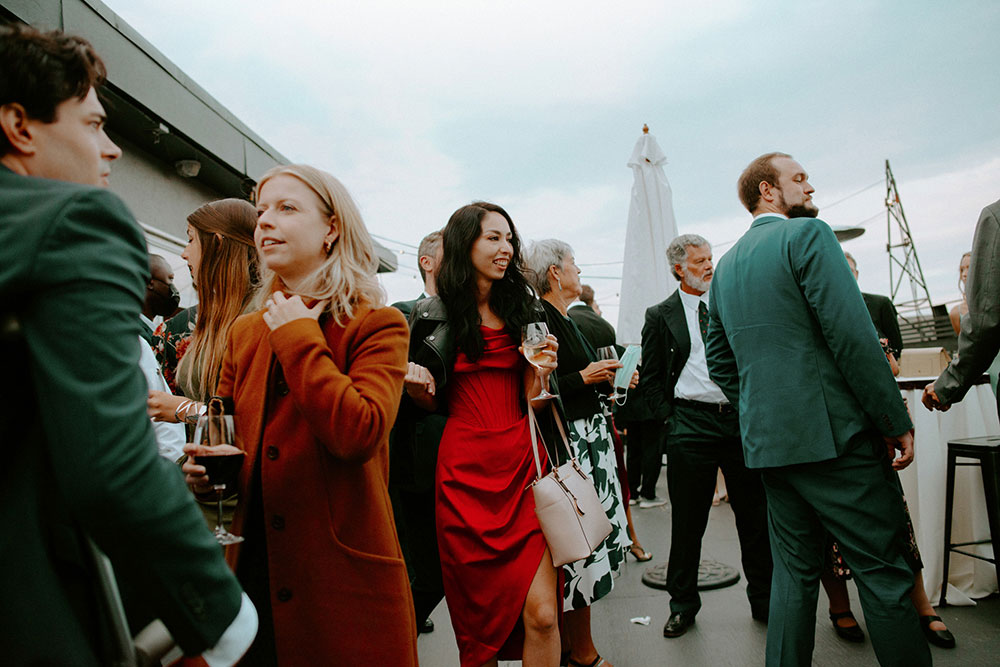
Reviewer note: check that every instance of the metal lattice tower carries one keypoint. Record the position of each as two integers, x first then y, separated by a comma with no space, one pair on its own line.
903,261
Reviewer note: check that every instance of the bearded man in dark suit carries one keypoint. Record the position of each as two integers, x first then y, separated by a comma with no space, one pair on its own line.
702,435
80,458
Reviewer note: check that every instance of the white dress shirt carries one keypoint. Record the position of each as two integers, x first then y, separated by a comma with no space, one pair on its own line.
169,437
694,383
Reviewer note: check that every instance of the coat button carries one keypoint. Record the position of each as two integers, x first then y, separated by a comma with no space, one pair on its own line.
281,387
272,453
430,337
284,595
278,522
426,314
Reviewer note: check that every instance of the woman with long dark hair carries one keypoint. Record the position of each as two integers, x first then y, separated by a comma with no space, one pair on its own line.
501,586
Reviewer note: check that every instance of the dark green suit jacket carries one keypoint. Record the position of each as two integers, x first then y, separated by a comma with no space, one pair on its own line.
791,342
79,455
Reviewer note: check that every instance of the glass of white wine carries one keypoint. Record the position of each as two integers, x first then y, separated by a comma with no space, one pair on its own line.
533,342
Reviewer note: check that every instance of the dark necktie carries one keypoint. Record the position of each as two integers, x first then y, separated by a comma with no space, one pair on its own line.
703,320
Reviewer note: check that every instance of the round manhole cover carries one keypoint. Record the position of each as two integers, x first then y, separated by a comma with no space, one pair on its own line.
711,574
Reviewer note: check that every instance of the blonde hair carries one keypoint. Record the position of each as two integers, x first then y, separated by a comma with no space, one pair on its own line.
347,277
227,276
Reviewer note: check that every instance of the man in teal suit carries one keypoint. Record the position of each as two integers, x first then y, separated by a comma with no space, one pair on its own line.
80,459
791,342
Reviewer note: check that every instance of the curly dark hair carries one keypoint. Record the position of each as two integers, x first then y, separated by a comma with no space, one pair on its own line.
41,70
510,297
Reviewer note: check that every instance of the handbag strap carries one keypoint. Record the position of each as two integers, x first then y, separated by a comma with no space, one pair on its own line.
536,436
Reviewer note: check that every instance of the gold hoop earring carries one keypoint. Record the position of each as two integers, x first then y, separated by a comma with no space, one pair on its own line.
328,246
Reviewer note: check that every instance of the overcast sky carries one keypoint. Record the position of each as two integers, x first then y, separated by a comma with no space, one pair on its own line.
421,107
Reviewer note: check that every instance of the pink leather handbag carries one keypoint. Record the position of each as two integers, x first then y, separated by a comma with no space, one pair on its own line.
571,515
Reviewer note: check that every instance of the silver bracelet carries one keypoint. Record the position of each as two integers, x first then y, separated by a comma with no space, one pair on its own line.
183,405
193,419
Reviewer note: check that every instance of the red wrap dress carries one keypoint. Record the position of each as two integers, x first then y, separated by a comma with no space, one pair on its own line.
488,535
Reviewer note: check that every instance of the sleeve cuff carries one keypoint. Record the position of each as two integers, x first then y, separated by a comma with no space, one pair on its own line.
237,638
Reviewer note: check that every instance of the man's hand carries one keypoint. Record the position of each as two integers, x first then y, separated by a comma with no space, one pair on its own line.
904,443
931,401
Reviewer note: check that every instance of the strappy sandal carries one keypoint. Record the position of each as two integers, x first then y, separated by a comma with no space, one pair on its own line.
639,553
598,661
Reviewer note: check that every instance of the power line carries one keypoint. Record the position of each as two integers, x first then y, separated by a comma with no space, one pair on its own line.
386,238
601,263
826,207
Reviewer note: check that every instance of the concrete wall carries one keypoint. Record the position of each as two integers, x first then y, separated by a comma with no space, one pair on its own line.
154,191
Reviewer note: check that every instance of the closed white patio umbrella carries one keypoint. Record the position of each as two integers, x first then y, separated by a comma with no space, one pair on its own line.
651,227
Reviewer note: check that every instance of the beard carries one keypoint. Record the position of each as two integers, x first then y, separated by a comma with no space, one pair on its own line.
797,210
802,211
694,281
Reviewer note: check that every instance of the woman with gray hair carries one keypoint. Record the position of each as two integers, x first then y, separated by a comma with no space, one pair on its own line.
552,271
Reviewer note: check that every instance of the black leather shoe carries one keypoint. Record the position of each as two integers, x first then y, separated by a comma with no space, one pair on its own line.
942,638
678,624
425,627
852,633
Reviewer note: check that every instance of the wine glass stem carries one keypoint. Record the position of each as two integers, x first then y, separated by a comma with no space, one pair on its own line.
544,381
219,489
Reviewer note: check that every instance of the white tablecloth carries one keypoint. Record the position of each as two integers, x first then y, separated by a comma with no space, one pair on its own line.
924,487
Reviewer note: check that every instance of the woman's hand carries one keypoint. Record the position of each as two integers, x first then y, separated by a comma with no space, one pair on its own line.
634,382
282,310
547,359
418,381
194,474
162,406
600,371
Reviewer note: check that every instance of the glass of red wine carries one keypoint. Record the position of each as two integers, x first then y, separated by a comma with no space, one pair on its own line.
222,462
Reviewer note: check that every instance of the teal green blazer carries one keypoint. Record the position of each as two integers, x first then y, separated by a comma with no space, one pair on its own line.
79,456
791,342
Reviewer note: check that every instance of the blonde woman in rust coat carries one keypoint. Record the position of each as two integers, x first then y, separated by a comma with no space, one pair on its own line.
316,377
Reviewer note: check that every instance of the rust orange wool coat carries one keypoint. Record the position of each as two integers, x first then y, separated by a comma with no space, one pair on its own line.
316,402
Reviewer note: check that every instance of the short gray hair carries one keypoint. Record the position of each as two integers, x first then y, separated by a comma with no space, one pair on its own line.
540,256
678,249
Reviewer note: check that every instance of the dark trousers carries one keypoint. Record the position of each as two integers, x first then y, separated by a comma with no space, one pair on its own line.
700,442
855,497
416,527
644,457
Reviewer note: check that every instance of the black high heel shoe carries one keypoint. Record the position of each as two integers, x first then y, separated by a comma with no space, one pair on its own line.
852,633
942,638
640,554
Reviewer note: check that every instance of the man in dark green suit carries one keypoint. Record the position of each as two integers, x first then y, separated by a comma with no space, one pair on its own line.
80,459
791,343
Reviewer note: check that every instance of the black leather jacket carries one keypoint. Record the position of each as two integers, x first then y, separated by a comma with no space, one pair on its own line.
431,343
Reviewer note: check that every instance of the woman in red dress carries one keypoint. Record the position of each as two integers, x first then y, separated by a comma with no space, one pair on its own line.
501,587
